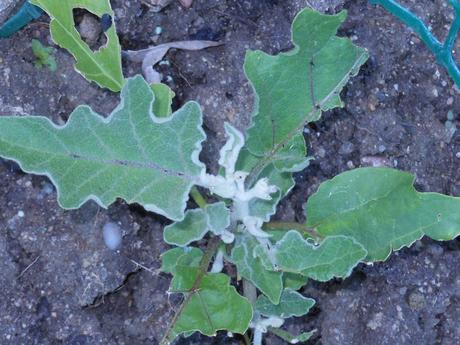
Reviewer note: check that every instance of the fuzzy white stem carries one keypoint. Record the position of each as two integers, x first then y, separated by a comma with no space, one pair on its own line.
218,264
257,337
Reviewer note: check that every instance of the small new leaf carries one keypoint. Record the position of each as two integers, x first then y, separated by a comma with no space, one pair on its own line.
44,56
102,66
132,154
335,257
218,217
381,209
291,304
230,151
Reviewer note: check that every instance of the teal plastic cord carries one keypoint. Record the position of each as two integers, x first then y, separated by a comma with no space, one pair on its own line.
442,51
26,13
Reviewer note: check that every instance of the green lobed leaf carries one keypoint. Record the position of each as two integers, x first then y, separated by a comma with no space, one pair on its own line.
215,305
211,303
192,228
251,267
336,256
291,88
284,86
102,66
291,304
381,209
132,154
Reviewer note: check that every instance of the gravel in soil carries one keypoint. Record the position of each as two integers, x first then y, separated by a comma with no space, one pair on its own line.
61,285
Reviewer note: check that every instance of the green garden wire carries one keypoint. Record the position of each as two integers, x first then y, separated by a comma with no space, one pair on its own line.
442,51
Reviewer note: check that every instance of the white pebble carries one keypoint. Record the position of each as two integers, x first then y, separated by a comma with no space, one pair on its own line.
112,235
21,214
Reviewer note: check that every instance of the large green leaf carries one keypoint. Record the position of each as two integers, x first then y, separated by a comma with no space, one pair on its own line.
211,303
381,209
214,305
291,88
132,154
102,66
251,267
291,304
336,256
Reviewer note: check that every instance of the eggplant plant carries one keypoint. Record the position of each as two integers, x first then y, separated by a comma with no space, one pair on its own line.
152,159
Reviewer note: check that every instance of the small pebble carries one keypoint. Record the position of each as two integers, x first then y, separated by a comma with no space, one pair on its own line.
321,152
112,235
47,188
381,96
158,30
416,301
450,115
21,214
346,148
350,165
375,161
89,28
435,250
